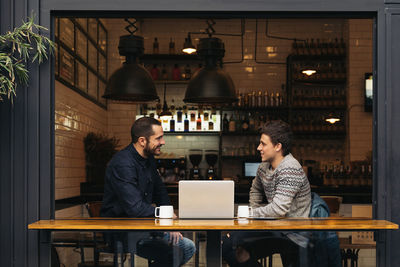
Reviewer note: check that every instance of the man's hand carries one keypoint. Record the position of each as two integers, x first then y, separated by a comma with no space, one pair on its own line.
175,237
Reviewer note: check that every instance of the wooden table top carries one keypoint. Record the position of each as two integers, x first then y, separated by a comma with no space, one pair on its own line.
212,224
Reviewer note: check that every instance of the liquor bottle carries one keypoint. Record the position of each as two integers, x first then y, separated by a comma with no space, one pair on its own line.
155,72
188,72
260,99
172,124
369,175
210,126
205,116
171,47
245,124
349,176
266,99
278,100
172,107
198,122
192,116
232,124
225,123
179,115
164,73
253,99
155,46
252,123
335,175
272,100
363,176
327,176
176,73
186,123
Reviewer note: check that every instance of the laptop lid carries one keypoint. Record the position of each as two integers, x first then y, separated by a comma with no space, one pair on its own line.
206,199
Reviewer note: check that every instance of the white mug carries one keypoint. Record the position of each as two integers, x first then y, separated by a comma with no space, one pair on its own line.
164,222
244,211
164,212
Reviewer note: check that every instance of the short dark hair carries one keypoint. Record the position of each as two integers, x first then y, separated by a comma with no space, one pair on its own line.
279,132
143,127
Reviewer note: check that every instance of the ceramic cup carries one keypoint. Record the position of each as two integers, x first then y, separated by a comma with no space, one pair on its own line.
164,212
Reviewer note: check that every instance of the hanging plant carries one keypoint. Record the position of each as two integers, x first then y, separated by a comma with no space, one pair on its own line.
17,49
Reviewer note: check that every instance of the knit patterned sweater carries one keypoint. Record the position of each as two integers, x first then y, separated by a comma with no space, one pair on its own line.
286,188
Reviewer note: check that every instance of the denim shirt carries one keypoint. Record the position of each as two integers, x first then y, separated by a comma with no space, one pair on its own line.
131,185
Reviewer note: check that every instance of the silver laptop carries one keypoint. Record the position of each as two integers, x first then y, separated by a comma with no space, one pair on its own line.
206,199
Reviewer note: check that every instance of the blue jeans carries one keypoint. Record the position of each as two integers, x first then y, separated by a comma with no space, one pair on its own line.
160,252
186,246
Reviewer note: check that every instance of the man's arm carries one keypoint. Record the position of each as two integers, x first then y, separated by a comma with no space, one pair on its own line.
125,184
256,193
289,182
160,194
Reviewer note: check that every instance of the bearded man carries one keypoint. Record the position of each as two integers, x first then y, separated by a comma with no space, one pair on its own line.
132,183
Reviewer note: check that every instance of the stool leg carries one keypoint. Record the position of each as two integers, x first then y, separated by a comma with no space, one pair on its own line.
270,260
132,259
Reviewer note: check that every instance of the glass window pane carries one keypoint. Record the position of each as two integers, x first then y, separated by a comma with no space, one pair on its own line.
102,89
92,57
102,66
66,66
81,44
81,78
67,32
102,39
92,87
82,22
56,27
93,29
56,58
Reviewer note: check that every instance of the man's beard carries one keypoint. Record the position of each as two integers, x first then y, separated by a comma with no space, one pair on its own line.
150,151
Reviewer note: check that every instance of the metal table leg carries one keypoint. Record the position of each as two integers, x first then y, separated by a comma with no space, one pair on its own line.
214,250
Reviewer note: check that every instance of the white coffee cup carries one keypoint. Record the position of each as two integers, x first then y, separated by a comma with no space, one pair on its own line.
244,211
164,212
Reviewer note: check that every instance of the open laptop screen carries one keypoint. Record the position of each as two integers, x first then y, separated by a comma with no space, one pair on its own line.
250,168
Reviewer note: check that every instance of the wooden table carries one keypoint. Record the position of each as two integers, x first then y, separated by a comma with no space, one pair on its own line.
213,227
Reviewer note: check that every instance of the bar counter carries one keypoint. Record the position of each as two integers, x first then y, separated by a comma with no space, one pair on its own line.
212,226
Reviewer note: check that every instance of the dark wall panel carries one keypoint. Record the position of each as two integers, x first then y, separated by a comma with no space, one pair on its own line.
393,64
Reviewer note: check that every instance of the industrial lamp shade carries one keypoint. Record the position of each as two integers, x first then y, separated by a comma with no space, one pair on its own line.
131,82
210,86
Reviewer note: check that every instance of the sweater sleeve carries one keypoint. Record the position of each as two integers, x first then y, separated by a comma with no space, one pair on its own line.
256,193
288,184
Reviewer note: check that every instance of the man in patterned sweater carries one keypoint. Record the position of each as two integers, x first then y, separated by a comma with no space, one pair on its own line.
282,181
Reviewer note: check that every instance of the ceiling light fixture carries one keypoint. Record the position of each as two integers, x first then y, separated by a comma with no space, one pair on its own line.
131,82
165,110
211,85
309,72
188,47
332,118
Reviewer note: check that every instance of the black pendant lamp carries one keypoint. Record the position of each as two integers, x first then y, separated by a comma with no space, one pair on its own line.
210,84
131,82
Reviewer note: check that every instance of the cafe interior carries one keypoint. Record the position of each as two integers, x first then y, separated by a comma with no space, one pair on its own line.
314,73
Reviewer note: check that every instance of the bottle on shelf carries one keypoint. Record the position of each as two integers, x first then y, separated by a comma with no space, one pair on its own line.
252,123
171,47
164,73
155,72
266,99
188,72
253,100
369,175
198,122
179,115
156,49
172,124
272,100
245,124
186,123
172,107
232,124
260,99
225,123
176,73
349,176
